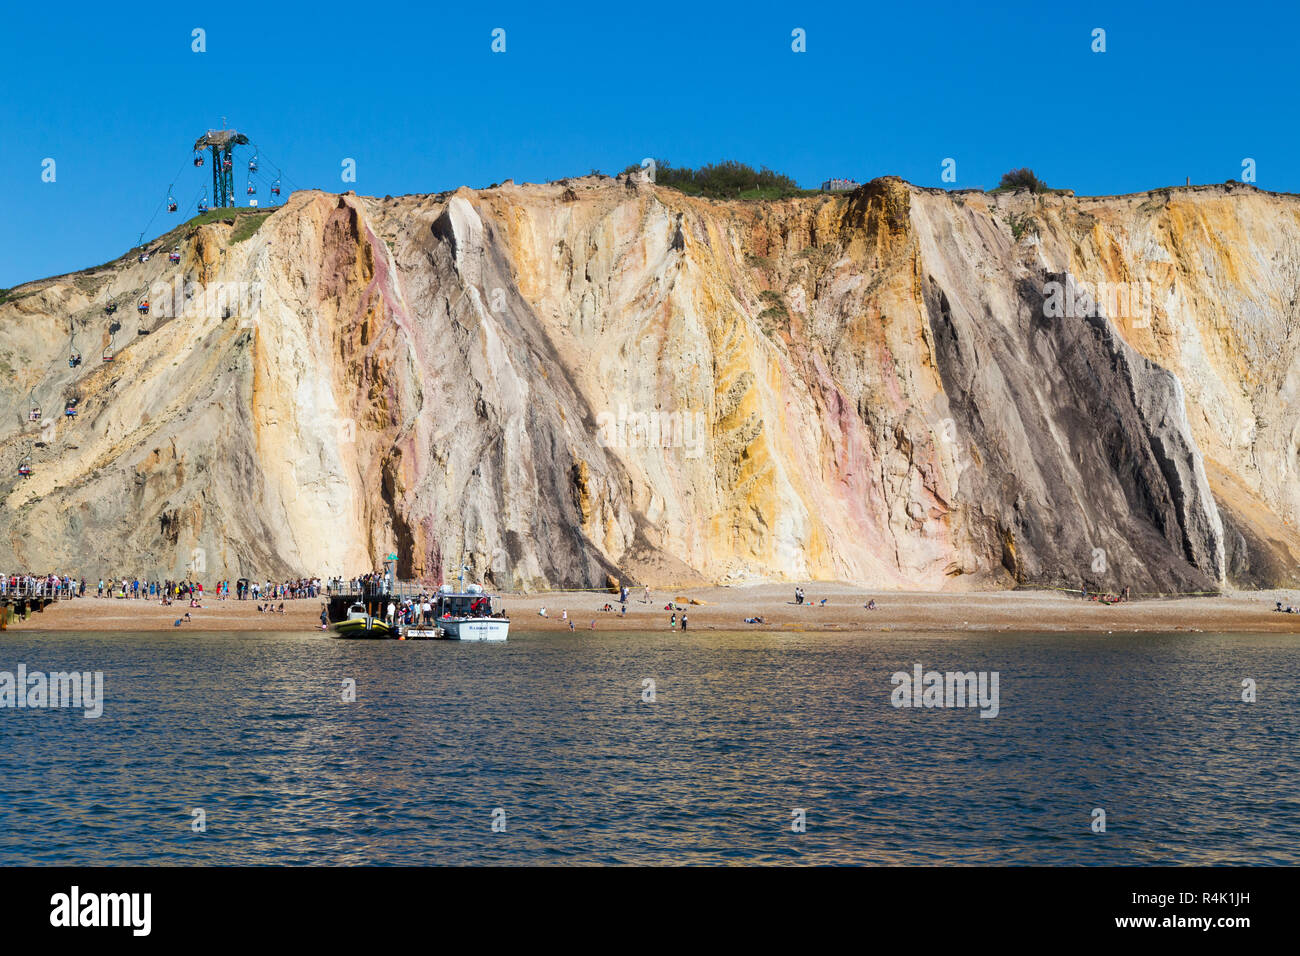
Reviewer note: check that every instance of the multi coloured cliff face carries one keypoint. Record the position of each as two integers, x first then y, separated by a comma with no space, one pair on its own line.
557,383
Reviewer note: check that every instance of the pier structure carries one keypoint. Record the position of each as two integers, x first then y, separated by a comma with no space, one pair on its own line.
374,595
24,599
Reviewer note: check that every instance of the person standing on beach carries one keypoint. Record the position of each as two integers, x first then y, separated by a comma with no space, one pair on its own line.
647,594
683,620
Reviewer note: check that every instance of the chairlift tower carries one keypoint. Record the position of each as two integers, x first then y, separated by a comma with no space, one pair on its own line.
221,143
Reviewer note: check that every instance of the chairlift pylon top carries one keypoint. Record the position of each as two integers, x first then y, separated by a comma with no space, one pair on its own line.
221,138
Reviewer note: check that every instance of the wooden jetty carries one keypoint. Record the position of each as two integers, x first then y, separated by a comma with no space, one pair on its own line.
25,599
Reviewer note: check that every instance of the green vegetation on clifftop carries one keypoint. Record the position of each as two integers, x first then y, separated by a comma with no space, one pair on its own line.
728,179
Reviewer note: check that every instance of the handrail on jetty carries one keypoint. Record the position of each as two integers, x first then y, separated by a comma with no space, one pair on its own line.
25,590
376,590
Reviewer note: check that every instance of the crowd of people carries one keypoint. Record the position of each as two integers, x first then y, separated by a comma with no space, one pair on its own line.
372,582
290,590
419,610
165,592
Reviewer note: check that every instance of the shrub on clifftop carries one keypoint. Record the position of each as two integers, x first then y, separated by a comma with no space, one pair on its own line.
1023,178
725,180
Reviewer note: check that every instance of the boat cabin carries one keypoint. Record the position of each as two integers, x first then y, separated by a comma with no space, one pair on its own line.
471,602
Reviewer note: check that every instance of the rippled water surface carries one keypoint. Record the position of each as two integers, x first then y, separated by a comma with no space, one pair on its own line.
552,729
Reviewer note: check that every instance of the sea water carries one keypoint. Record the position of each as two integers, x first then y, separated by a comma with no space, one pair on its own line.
654,747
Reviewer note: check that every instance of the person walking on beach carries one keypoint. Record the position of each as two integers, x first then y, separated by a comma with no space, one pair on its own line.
647,594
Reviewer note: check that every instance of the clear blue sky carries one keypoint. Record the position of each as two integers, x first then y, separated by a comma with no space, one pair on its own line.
413,93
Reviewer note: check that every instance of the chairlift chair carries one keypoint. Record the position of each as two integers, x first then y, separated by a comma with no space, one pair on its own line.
173,256
143,307
198,158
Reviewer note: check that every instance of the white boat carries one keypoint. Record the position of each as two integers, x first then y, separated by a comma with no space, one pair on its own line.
468,616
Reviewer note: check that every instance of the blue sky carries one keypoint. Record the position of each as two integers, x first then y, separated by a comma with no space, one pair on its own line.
414,94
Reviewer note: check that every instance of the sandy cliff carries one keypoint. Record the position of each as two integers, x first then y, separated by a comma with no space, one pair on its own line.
899,387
